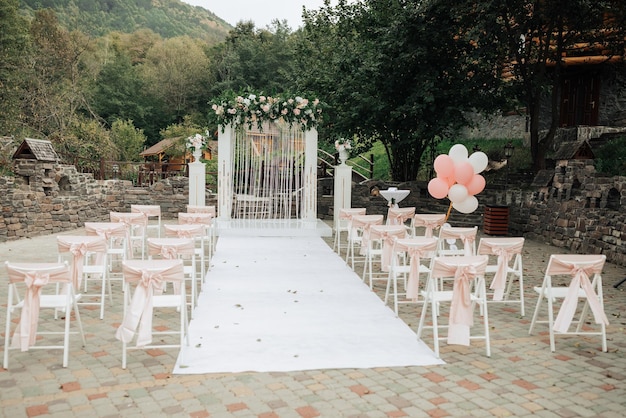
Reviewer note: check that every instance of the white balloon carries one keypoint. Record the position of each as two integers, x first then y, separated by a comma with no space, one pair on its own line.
457,193
479,161
469,205
458,153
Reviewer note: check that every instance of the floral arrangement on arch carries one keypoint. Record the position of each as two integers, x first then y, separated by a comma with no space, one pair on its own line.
197,142
249,109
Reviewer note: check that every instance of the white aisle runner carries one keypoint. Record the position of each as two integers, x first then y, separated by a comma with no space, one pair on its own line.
290,303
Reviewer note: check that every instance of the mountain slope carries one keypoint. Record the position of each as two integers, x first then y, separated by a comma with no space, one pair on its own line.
168,18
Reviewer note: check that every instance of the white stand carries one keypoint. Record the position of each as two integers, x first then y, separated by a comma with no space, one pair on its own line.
197,181
343,190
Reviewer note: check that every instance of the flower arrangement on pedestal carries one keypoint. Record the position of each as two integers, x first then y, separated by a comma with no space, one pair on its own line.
197,143
342,146
248,109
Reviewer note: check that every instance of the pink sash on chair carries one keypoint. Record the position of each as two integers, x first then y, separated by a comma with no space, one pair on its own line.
35,276
348,213
79,246
148,210
202,209
171,248
464,269
505,249
151,276
398,216
580,267
184,231
429,221
387,234
416,248
195,218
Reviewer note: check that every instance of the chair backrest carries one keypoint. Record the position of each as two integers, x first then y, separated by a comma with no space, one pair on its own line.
171,248
348,213
416,249
447,267
202,209
129,218
450,236
148,210
497,246
107,229
184,230
428,221
195,218
398,216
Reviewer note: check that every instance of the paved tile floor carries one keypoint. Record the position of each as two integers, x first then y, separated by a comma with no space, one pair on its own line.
521,378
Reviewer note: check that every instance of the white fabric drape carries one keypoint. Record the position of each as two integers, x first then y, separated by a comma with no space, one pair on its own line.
268,172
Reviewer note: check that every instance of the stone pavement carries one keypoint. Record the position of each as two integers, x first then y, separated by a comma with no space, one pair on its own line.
521,378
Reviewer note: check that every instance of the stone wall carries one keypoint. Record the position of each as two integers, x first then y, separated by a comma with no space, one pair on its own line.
575,209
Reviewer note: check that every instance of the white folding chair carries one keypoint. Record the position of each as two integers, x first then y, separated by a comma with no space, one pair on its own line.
144,281
137,224
151,211
456,241
89,263
342,225
428,221
31,278
359,234
206,219
178,248
577,268
198,233
379,245
506,268
407,259
117,236
467,276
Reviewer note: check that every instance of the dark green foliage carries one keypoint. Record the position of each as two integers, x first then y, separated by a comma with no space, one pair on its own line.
611,157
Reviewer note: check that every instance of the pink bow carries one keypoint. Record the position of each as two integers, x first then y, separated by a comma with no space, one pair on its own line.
415,254
169,252
499,279
461,318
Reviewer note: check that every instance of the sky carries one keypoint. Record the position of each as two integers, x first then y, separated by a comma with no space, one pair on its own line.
261,12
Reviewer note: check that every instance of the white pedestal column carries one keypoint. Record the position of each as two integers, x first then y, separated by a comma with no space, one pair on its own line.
224,172
343,190
309,203
197,182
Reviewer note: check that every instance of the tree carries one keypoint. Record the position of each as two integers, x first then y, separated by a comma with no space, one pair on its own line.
260,60
13,44
174,73
128,140
535,39
398,72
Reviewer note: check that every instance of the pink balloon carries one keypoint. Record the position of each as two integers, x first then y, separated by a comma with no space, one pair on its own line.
438,188
476,185
463,172
444,166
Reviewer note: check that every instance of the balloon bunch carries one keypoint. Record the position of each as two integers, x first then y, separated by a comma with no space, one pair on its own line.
458,178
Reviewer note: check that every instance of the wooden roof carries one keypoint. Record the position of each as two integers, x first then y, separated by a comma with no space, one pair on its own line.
36,149
574,150
160,147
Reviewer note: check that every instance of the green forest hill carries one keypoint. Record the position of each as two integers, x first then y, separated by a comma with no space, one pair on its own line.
168,18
